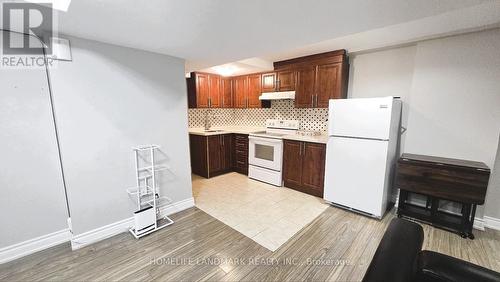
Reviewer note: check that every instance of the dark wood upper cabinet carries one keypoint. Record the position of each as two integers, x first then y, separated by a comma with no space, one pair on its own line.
214,91
304,90
240,92
315,79
204,90
246,92
285,80
328,83
304,166
226,89
269,82
292,163
198,90
318,78
254,91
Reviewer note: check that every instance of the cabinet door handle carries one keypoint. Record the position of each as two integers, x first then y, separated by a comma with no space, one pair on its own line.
312,101
300,149
316,100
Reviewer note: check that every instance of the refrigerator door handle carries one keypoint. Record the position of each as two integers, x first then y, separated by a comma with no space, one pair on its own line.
364,138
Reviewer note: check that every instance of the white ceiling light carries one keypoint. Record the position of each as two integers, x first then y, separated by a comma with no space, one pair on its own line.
225,70
251,65
61,5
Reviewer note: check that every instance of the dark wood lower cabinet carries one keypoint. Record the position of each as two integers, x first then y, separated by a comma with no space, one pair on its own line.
240,153
304,166
313,168
217,154
199,154
292,163
226,152
303,162
214,154
210,155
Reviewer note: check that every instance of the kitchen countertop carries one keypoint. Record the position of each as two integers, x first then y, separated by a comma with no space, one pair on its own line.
323,139
225,130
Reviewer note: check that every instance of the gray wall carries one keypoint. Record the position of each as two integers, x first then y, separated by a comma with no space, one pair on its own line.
31,190
384,73
493,200
451,95
109,99
456,99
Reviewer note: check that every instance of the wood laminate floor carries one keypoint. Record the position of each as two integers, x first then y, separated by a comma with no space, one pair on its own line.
337,246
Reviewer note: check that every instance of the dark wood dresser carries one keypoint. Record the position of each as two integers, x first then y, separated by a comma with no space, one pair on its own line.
459,181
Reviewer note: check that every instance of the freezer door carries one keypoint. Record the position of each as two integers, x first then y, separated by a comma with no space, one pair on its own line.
364,118
355,174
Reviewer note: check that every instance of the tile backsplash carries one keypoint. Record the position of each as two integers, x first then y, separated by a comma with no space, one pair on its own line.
310,119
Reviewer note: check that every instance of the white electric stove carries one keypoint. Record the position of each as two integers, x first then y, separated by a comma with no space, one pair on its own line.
265,150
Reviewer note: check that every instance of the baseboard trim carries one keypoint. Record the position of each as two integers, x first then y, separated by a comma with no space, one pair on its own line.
34,245
101,233
177,207
492,222
478,224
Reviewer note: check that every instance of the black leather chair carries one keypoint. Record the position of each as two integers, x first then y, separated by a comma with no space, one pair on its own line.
399,257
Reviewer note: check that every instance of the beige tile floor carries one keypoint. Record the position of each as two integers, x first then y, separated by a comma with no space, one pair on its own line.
267,214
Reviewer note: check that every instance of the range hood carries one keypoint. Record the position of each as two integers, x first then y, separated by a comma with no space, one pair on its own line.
283,95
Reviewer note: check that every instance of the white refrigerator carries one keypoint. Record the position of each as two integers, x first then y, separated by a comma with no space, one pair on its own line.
362,153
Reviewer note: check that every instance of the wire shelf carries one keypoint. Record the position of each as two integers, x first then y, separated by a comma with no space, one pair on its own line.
146,193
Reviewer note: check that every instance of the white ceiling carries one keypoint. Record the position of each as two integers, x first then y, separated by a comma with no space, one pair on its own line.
214,32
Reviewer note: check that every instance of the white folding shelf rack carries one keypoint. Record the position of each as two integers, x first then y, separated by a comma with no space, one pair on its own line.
146,192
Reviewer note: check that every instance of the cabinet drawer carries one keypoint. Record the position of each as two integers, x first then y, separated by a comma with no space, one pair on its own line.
241,152
241,163
241,138
241,160
241,142
241,147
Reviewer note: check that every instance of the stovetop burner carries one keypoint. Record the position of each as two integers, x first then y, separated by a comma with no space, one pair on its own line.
274,134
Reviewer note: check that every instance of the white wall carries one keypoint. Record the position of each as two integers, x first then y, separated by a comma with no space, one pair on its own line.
109,99
384,73
493,200
456,98
31,188
451,90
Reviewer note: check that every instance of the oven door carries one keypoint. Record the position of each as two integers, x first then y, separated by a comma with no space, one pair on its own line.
265,152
